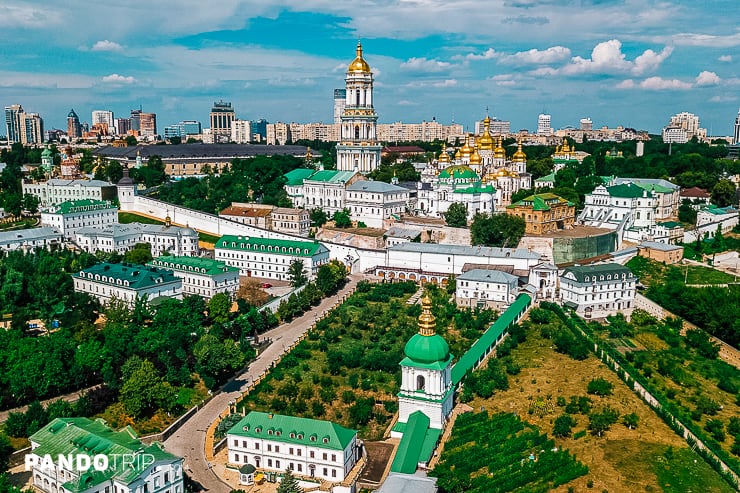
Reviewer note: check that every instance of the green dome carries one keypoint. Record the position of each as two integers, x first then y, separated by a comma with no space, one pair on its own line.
47,153
427,349
458,171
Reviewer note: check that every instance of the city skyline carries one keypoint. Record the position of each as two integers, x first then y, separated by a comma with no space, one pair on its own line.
620,63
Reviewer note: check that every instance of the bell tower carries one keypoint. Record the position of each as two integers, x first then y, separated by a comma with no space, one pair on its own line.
358,148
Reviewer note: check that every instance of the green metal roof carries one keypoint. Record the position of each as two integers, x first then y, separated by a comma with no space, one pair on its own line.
539,201
409,450
479,348
197,265
296,177
626,190
458,171
291,429
65,436
278,247
331,176
481,189
82,205
587,273
550,177
136,276
670,224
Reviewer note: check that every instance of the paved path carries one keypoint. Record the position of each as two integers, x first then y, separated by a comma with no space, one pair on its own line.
189,441
71,397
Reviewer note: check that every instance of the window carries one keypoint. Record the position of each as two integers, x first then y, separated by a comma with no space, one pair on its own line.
311,454
236,457
277,464
325,456
269,447
333,457
256,445
269,462
333,473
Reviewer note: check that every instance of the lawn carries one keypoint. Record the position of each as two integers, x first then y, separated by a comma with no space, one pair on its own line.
622,460
651,272
347,369
130,217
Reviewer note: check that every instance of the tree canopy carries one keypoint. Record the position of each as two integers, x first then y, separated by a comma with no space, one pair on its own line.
497,230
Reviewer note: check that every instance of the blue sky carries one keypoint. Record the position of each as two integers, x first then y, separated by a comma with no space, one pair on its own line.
626,62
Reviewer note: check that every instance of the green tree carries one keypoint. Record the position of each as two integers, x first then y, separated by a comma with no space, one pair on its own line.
131,141
563,426
143,390
216,360
6,449
176,140
497,230
30,203
219,308
297,273
330,276
456,215
599,422
318,217
599,386
289,484
342,219
630,420
723,193
140,254
686,213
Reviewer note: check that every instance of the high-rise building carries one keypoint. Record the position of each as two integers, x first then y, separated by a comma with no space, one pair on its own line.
358,149
222,114
587,125
32,128
103,116
496,127
74,130
241,131
183,129
13,123
122,125
689,123
543,125
736,135
259,129
340,96
147,124
135,120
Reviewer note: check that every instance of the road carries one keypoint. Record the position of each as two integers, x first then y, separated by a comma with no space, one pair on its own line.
189,440
71,397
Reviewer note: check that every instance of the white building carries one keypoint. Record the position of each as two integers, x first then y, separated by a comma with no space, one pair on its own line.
56,191
241,131
200,276
599,290
708,219
688,123
543,124
103,116
544,277
326,190
675,135
121,238
133,467
358,148
434,262
736,130
308,447
73,215
28,239
127,282
486,288
269,258
376,203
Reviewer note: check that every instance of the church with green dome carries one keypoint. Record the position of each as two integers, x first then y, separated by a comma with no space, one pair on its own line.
426,373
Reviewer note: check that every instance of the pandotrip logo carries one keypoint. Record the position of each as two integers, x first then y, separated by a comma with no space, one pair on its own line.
82,463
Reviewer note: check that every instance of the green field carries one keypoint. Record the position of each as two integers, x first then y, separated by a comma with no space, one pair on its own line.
129,217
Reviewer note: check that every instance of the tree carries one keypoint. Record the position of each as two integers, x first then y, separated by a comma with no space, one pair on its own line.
497,230
131,141
216,360
219,308
318,217
723,193
175,140
140,254
330,276
30,203
456,215
341,219
563,426
6,449
686,213
630,420
289,484
251,291
143,390
599,422
297,273
599,386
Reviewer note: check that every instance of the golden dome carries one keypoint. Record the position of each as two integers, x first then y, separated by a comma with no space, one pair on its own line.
566,147
499,152
359,65
486,141
458,154
443,157
519,156
466,150
475,158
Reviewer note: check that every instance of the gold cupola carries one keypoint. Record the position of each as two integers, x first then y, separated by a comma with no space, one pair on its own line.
485,141
427,322
466,150
359,65
499,152
443,158
458,155
519,156
476,158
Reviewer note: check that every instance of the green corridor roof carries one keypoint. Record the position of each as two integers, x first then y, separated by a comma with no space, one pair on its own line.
131,275
74,436
268,245
296,177
293,430
416,445
197,265
82,205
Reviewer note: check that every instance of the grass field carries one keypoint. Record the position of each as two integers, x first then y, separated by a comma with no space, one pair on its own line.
650,271
129,217
622,460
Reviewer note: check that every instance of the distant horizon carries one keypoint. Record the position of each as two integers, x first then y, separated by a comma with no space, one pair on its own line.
631,63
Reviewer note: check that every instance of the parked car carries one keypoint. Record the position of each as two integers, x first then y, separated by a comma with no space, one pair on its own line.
266,285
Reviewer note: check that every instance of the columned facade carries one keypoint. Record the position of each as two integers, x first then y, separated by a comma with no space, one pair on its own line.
358,149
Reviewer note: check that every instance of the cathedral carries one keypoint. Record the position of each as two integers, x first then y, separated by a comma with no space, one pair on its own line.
358,148
479,175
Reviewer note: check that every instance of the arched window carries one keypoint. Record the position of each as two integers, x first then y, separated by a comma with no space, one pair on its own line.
357,131
420,383
357,97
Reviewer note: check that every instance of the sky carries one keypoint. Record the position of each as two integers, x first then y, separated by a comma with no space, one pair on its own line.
631,62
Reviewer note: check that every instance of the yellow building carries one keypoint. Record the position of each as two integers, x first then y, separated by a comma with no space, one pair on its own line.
544,213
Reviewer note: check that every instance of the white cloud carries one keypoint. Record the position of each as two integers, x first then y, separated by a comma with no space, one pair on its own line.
118,79
607,57
707,78
725,58
20,15
489,54
534,56
722,99
406,102
106,45
660,84
446,83
626,84
424,65
707,40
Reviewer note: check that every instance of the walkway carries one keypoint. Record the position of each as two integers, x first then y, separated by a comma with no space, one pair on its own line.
189,441
71,397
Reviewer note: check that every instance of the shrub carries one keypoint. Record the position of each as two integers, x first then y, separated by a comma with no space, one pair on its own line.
600,387
563,426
